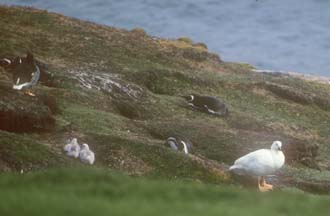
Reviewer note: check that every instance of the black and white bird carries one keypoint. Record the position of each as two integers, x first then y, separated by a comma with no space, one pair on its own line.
25,72
208,104
179,145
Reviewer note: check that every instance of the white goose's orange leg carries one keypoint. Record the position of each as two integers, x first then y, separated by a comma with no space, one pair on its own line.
263,186
268,186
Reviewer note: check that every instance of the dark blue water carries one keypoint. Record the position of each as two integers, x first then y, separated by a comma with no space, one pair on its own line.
289,35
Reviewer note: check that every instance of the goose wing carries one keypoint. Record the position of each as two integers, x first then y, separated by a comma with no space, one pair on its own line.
259,162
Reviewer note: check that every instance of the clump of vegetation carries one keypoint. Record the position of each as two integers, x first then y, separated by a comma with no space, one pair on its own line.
139,31
185,40
200,44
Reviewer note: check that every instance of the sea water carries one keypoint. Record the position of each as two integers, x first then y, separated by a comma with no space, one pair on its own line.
286,35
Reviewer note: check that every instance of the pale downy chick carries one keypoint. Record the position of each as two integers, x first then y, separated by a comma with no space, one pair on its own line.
86,155
72,149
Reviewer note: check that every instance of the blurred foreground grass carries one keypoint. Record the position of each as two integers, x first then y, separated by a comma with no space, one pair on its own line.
99,192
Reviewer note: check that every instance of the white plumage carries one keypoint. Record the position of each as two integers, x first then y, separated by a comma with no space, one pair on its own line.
185,148
72,149
86,155
262,162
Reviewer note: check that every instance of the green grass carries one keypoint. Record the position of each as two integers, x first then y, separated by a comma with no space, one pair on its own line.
19,152
311,174
100,192
90,120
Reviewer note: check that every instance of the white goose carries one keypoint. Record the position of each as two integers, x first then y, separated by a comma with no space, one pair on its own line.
261,163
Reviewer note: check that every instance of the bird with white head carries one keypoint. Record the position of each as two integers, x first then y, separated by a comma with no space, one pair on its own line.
261,163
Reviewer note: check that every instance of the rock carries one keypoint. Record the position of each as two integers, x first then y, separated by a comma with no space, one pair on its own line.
107,83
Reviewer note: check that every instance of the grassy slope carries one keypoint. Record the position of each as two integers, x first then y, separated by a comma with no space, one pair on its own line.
127,133
96,192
